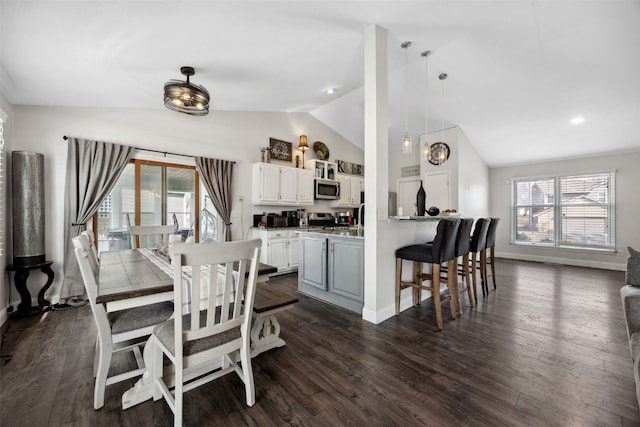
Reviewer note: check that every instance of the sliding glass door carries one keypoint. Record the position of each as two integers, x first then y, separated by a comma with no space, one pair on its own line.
149,193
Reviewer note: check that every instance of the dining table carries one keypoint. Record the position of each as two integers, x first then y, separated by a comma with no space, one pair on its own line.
136,277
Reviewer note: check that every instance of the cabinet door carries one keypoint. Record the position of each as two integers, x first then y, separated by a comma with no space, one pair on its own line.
294,252
288,184
355,189
305,186
278,253
312,270
346,268
269,183
345,191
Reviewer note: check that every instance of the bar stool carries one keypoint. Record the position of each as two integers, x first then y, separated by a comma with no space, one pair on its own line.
463,244
491,248
442,250
478,246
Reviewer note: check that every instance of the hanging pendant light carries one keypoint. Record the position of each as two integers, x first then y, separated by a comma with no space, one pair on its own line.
186,97
443,154
406,139
425,148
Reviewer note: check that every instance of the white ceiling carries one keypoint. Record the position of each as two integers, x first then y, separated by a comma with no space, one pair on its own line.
518,70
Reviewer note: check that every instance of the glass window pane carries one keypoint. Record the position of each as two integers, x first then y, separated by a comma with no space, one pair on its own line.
535,225
585,210
116,212
535,192
150,195
181,199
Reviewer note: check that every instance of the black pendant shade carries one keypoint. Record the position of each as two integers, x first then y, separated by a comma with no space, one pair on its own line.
186,97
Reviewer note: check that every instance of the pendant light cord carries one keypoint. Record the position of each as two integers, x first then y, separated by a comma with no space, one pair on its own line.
406,45
426,149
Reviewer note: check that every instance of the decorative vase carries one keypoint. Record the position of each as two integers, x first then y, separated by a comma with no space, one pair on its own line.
421,199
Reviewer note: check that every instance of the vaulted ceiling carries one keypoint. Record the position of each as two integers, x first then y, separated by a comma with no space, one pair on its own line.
518,70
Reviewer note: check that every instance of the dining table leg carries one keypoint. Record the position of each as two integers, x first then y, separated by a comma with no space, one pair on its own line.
144,387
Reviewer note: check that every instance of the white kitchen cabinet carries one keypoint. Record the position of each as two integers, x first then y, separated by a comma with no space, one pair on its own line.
305,187
323,169
281,185
279,248
350,189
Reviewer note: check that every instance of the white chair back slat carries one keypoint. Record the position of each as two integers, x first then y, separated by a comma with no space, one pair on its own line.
146,236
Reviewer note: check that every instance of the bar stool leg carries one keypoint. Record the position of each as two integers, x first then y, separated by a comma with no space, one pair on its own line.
398,279
493,266
417,291
452,290
483,272
474,263
465,272
456,284
435,293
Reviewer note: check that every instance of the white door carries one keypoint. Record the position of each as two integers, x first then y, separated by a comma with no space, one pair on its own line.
294,252
278,253
437,188
355,189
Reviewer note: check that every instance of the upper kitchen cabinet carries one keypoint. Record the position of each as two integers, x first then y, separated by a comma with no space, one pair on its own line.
323,169
281,185
350,189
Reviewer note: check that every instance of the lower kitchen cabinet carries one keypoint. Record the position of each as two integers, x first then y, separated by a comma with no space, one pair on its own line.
279,248
332,269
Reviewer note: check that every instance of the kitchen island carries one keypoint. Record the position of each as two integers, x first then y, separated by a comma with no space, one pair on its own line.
331,266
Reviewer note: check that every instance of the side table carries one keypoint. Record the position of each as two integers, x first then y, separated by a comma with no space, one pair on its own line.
20,279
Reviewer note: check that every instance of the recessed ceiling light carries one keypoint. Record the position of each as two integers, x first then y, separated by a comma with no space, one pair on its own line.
577,120
330,91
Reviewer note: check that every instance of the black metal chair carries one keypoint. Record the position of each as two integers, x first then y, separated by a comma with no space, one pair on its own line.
478,246
490,258
442,250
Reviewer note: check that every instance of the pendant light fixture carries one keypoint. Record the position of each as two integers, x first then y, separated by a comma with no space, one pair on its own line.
406,139
425,148
443,155
186,97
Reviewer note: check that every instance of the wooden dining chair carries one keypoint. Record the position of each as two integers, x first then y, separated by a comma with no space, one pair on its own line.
147,236
199,336
116,329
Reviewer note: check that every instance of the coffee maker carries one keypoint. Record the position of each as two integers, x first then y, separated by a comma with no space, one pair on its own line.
293,219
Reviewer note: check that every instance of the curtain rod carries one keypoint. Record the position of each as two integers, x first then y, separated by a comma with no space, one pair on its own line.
65,137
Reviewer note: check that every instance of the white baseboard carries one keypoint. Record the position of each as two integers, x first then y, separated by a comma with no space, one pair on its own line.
564,261
406,301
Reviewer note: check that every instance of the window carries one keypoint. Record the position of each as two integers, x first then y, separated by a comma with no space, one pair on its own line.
149,193
581,216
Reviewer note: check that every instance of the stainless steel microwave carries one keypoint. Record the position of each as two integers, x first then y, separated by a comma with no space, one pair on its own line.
327,189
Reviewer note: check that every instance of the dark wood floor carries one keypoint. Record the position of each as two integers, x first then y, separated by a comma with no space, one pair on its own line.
548,348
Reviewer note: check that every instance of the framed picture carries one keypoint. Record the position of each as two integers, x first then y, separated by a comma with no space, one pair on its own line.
280,150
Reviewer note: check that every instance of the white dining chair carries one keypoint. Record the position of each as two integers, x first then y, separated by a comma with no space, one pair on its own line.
116,328
147,236
199,336
92,252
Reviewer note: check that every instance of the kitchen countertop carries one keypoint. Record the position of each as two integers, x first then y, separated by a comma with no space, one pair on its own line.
348,233
424,218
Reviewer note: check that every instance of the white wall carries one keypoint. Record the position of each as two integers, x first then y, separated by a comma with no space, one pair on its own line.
473,181
7,108
626,209
226,135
